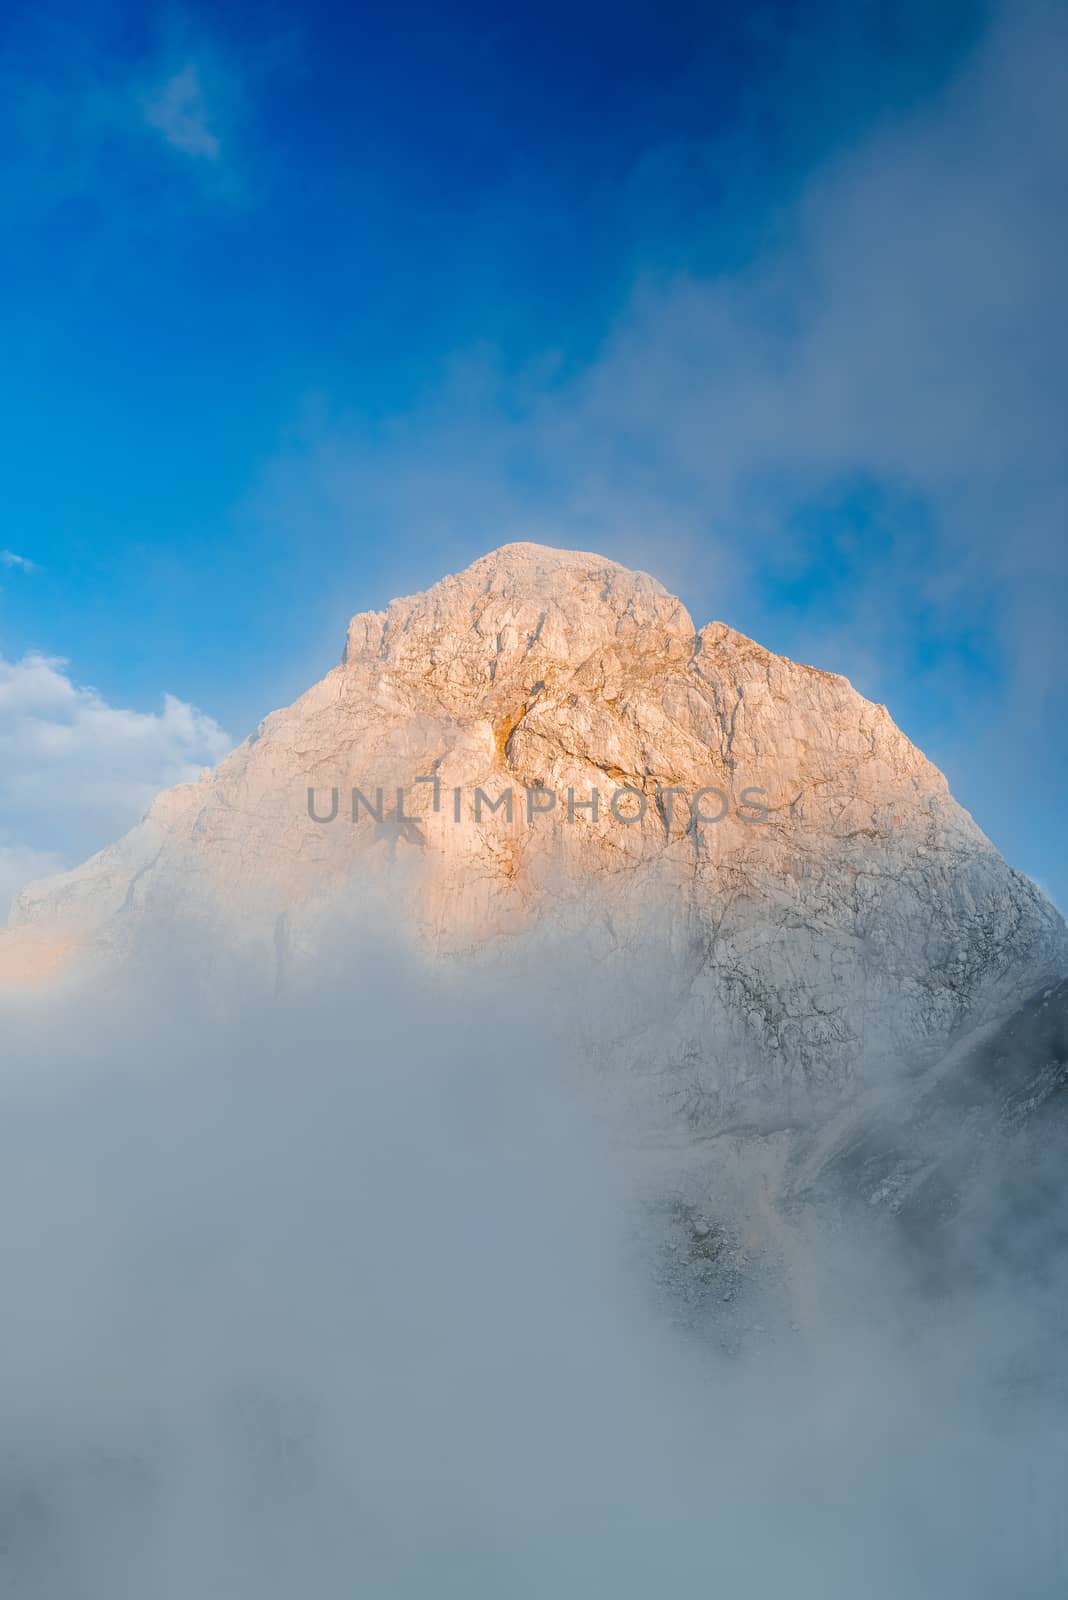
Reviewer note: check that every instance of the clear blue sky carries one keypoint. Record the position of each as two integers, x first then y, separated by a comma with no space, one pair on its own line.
305,306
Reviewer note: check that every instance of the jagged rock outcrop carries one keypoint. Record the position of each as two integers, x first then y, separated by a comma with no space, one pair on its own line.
843,908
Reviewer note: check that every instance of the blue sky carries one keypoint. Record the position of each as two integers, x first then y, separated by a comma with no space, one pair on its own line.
307,306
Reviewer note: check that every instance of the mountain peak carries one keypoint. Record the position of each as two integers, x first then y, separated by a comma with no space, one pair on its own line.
828,901
525,608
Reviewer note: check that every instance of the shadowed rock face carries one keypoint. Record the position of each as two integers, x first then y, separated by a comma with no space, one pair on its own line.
980,1134
846,912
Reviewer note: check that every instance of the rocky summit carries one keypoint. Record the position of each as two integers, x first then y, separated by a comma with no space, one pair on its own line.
545,739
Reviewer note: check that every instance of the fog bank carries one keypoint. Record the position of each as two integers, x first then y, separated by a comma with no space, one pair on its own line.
367,1287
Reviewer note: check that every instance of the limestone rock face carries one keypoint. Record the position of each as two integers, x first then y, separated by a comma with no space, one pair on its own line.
820,898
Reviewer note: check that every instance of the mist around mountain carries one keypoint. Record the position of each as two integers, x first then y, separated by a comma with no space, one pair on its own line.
535,1204
385,1285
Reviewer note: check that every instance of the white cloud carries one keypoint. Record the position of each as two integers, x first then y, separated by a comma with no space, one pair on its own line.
178,110
8,558
346,1288
21,864
76,771
906,323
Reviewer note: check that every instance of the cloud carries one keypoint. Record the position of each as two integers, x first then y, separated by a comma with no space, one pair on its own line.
20,865
906,325
8,558
76,772
178,111
369,1288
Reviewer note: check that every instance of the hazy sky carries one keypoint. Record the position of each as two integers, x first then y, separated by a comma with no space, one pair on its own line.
306,306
